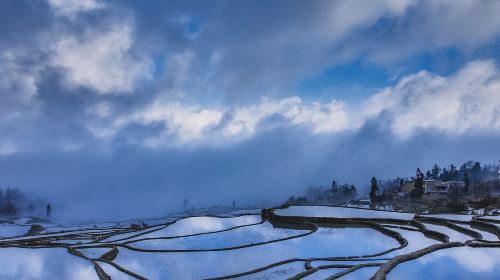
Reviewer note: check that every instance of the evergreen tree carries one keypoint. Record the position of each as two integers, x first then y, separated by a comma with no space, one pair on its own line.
453,173
49,211
31,208
334,188
418,186
9,208
435,172
445,175
467,182
353,192
374,190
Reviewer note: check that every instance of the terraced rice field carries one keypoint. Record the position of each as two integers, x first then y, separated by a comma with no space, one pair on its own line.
298,242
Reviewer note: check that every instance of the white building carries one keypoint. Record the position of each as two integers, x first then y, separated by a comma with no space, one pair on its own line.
435,186
437,189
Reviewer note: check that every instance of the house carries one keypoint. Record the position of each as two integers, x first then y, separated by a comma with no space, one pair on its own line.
459,185
435,186
407,186
435,189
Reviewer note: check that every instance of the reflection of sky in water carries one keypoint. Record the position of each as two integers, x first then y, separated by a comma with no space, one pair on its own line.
236,237
115,273
362,273
323,273
454,263
281,272
454,235
192,225
21,264
486,235
7,230
195,225
416,241
340,212
326,242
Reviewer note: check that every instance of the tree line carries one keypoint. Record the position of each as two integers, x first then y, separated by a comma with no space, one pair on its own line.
14,202
476,178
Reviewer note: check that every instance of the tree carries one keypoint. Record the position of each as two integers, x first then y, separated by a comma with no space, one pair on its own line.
476,169
185,203
418,186
435,172
9,208
445,175
374,190
334,186
475,172
49,211
353,191
466,182
453,173
428,174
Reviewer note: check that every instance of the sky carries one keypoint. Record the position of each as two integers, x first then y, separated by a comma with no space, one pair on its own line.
125,108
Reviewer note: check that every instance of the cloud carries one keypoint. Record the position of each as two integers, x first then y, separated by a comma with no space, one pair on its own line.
102,60
7,148
71,7
465,102
261,54
196,124
435,25
18,97
18,79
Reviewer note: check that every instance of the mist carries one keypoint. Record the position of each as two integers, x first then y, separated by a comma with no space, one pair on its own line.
135,182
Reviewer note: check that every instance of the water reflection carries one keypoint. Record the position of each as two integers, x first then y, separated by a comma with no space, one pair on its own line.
326,242
21,264
454,263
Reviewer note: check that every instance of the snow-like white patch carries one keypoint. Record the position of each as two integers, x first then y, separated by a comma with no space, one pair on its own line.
232,238
490,217
129,235
456,217
486,235
340,212
454,235
196,225
416,241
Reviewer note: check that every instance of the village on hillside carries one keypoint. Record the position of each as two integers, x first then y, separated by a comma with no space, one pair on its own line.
471,187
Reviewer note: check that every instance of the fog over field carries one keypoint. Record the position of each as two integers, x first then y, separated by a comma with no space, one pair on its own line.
268,168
